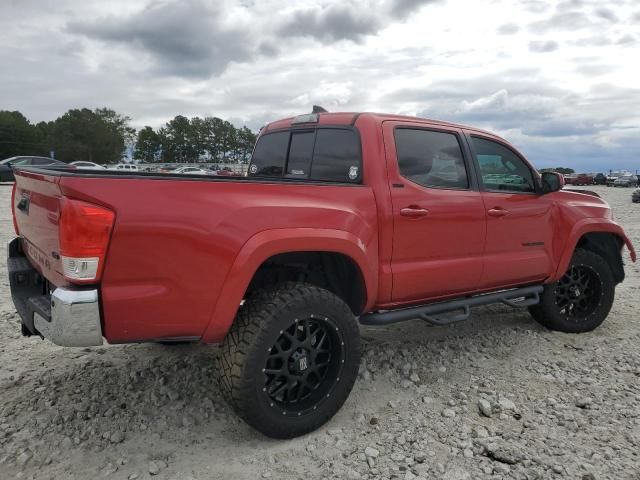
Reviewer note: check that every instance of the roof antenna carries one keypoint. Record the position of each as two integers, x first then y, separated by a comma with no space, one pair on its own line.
318,109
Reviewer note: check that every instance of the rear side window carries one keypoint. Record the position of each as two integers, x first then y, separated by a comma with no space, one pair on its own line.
324,154
269,155
336,156
300,153
430,158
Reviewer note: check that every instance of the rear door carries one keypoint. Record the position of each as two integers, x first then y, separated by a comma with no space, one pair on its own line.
438,213
519,226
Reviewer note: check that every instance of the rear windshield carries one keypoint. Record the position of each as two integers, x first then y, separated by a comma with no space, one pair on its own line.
325,154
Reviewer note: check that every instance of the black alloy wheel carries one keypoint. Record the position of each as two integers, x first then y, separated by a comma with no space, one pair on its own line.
582,298
290,359
579,292
304,365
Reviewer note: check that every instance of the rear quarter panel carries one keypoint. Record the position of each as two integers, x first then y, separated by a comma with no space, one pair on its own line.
174,243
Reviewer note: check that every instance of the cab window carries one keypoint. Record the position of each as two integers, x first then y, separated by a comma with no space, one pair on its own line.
336,156
430,158
501,169
269,155
300,152
323,154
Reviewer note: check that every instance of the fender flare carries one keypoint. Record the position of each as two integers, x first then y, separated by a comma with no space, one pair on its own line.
589,225
268,243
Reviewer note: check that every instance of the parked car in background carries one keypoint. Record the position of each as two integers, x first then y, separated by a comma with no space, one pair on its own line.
191,171
6,172
87,165
128,167
635,196
612,177
583,179
600,179
626,181
225,172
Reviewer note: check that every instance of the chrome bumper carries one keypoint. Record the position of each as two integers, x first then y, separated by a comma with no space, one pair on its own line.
70,318
75,319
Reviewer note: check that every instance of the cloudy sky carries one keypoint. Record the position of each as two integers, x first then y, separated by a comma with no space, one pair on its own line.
559,78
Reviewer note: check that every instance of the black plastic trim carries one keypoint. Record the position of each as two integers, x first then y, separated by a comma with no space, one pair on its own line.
530,295
186,178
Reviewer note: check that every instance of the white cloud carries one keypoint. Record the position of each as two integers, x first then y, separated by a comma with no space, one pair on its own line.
554,76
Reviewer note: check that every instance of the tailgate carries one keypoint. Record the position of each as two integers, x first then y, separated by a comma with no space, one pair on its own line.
36,207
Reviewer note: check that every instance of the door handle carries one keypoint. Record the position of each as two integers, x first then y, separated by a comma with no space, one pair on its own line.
498,212
414,212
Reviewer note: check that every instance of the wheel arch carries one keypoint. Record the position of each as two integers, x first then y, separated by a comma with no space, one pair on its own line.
285,244
602,237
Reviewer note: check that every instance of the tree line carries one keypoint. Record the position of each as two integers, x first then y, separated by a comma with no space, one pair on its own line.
105,136
191,139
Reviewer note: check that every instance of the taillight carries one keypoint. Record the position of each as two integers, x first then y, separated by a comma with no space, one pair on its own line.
13,207
84,236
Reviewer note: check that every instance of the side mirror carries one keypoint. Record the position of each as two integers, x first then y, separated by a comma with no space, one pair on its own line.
552,182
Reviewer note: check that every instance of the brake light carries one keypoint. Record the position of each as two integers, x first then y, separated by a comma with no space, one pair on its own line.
13,211
85,230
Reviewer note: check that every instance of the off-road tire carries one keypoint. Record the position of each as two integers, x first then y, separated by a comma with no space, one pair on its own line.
549,312
248,347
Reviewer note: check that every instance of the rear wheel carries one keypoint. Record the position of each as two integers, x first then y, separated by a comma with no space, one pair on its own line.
290,360
581,299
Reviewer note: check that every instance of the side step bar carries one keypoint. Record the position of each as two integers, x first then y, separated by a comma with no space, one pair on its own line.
518,297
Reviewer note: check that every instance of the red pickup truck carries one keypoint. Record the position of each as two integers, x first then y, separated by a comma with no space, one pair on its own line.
579,179
342,219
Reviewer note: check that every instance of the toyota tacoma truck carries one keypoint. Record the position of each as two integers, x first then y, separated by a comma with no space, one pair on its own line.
343,219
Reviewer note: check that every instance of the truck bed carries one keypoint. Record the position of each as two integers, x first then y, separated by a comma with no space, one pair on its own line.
176,237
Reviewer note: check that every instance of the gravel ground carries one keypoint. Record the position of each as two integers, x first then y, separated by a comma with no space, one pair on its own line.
496,397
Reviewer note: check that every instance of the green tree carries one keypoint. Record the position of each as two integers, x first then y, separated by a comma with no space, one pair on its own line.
246,141
226,141
176,139
197,137
147,145
80,134
97,136
119,123
211,131
19,137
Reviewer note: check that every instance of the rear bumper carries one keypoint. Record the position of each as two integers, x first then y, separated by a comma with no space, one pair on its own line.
67,317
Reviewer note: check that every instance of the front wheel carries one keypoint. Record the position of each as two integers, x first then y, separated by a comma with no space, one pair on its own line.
290,359
581,300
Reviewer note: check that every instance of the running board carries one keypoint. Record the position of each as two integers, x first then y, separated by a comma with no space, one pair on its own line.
518,297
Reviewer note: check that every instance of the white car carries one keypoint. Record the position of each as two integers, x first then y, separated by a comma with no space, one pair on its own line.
190,171
87,165
626,181
127,167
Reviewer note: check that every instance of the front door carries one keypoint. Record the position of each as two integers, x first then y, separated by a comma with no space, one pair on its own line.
519,227
438,212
